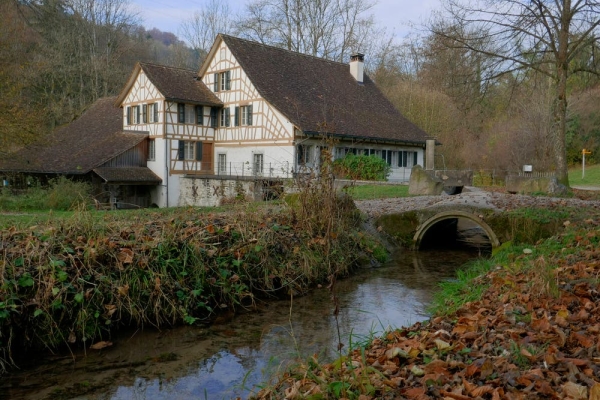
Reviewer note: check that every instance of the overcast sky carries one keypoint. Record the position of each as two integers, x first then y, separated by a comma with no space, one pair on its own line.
167,15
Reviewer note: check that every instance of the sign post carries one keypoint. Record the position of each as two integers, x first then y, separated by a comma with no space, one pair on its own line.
583,153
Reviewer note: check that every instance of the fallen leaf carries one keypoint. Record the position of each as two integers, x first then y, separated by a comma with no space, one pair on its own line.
125,256
575,391
595,392
100,345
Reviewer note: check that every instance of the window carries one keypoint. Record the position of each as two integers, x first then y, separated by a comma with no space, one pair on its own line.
257,164
222,164
153,112
199,115
225,116
225,80
386,155
134,115
181,113
304,154
151,150
222,81
145,113
407,159
190,114
189,150
243,115
214,112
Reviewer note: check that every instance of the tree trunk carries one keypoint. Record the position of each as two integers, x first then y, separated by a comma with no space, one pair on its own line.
559,131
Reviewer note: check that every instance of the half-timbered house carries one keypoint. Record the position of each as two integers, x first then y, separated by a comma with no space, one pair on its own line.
252,114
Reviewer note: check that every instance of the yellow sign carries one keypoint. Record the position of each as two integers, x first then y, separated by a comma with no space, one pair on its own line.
584,151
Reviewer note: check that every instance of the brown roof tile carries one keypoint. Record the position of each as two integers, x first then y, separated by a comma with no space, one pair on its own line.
77,148
180,84
128,175
319,95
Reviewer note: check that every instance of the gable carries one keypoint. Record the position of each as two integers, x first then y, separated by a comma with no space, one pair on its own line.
318,95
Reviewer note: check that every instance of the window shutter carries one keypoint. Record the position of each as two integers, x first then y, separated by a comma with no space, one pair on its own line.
198,151
145,113
137,115
181,113
236,117
128,115
181,152
200,115
216,82
415,158
250,114
213,116
228,80
155,112
227,116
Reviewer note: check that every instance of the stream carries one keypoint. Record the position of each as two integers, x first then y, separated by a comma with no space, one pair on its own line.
229,358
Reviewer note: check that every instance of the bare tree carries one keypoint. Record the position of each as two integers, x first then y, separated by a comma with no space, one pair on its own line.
540,35
203,26
325,28
80,55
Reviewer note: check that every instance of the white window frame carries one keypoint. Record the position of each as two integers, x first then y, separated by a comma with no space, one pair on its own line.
152,108
222,164
223,81
244,111
151,150
137,114
258,161
190,114
189,150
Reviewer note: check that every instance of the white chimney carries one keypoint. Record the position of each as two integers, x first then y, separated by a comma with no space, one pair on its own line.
357,66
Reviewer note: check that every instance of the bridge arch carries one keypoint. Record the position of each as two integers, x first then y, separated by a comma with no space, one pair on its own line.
424,227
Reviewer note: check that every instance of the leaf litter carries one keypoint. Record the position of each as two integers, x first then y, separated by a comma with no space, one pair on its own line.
533,334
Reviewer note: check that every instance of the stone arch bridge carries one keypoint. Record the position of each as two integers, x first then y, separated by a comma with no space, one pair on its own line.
411,221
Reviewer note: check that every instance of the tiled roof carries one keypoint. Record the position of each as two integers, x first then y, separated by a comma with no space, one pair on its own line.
77,148
178,84
128,175
318,95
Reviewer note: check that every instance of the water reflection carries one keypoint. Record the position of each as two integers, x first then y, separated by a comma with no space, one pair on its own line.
226,361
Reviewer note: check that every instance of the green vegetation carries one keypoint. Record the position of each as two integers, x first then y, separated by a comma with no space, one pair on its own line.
363,168
524,258
61,194
69,278
592,175
365,192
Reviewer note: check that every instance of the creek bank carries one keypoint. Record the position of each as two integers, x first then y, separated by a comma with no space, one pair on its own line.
533,332
71,282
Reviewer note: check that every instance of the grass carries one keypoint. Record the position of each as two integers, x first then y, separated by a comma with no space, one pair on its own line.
26,219
366,192
592,175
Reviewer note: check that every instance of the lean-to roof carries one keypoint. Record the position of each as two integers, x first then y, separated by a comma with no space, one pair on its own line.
86,143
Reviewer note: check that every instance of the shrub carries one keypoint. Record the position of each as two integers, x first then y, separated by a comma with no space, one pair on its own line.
61,194
367,168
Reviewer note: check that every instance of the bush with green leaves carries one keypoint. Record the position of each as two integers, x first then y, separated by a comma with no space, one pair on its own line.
362,167
61,194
